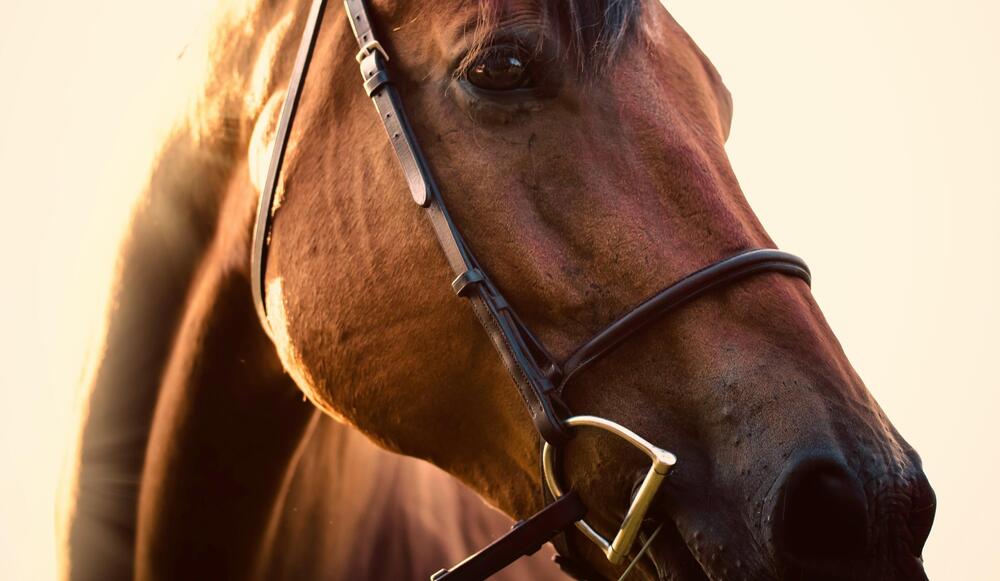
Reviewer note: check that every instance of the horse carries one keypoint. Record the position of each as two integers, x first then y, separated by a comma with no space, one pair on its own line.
580,146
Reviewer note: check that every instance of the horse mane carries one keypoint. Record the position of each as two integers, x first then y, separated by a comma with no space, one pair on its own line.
169,232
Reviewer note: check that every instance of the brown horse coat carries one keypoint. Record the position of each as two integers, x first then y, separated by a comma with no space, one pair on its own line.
189,407
199,458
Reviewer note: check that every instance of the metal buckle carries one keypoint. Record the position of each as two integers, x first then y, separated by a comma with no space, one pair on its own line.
663,461
370,47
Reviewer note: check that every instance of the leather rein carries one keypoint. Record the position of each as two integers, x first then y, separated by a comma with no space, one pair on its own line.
539,376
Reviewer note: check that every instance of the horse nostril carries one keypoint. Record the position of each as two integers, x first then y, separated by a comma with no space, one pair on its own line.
822,512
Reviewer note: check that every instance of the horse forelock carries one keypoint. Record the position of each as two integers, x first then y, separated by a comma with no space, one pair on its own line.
591,32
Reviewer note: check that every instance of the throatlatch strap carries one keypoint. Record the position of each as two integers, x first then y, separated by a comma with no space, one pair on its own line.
262,228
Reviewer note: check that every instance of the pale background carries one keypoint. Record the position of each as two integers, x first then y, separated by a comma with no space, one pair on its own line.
866,137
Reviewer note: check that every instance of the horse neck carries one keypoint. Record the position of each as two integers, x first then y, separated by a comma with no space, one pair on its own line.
352,509
167,239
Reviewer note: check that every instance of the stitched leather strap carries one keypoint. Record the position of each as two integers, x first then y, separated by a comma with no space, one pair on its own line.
525,538
721,273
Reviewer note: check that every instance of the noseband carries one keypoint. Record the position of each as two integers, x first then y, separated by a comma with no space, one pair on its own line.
539,376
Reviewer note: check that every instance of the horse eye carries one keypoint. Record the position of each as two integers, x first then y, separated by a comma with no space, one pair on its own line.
499,71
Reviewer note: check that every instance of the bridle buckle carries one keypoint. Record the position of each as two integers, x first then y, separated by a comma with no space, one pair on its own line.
370,47
662,461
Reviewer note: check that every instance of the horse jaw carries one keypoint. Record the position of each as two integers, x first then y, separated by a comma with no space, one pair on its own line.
291,359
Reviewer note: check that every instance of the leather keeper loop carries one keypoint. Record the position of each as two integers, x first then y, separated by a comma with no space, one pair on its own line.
463,281
376,82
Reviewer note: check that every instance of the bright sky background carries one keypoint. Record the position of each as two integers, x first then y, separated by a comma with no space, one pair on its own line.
866,137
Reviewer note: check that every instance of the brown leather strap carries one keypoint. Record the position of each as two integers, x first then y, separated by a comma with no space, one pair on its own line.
525,538
262,228
721,273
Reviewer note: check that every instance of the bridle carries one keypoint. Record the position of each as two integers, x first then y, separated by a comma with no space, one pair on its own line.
540,377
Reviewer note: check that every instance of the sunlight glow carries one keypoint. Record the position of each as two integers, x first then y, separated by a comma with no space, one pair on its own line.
865,137
278,321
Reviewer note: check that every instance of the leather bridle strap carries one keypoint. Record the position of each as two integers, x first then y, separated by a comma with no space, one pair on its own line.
692,286
524,538
262,228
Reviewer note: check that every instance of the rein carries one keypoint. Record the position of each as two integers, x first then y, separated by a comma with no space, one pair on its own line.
539,377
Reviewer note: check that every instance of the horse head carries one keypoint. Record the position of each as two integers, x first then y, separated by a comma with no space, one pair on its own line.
580,148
